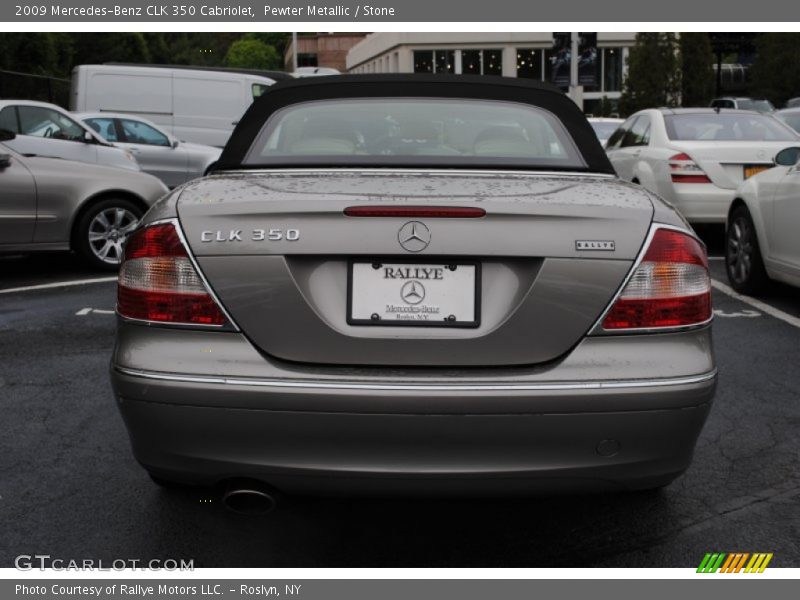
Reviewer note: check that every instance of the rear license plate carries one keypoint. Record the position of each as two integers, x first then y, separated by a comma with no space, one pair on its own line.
751,170
414,294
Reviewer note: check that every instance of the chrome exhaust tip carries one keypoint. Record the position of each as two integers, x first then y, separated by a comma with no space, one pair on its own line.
251,498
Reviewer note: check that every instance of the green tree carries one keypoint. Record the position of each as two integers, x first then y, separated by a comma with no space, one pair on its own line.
41,54
697,73
158,48
653,77
97,48
200,49
775,74
66,53
252,54
278,40
605,108
35,53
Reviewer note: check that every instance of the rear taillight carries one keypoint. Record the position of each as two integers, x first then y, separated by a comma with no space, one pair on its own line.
158,282
684,170
670,287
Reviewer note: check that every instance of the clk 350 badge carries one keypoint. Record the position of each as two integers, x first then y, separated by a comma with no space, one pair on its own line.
256,235
594,245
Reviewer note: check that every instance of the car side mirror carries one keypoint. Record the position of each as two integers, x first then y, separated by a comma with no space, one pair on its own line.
175,143
788,157
6,135
88,138
5,161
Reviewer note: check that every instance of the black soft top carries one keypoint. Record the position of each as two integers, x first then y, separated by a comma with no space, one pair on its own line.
480,87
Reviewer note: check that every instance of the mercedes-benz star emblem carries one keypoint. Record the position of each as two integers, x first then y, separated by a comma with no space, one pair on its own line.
412,292
414,236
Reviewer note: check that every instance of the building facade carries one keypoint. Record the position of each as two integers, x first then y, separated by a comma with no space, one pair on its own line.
539,55
322,50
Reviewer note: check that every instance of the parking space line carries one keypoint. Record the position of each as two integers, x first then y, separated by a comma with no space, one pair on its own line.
762,306
88,311
57,284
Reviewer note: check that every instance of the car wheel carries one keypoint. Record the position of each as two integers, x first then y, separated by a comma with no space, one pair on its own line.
103,229
743,261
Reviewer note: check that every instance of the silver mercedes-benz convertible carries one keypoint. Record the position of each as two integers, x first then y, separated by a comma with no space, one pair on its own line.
413,284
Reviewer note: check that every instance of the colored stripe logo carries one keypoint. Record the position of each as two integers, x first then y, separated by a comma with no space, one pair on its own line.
734,562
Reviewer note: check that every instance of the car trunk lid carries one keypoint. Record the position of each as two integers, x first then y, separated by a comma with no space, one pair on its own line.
549,254
727,164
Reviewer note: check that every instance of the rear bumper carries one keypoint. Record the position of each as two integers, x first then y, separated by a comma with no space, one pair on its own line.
470,434
702,202
317,451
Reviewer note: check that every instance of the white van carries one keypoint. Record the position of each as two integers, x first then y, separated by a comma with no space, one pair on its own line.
200,105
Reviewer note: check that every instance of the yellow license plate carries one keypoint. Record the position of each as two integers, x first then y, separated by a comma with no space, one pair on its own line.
751,170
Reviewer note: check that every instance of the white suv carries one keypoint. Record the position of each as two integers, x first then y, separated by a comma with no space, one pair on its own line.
44,129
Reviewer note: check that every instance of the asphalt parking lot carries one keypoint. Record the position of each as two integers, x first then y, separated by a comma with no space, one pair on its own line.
69,486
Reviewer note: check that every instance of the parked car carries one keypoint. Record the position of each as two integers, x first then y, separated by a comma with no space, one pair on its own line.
56,204
48,130
401,282
762,238
174,162
695,158
743,103
790,116
315,72
604,127
793,103
200,105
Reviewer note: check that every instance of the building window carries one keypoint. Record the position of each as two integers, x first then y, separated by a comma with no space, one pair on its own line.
305,59
468,62
434,61
612,69
423,61
596,67
471,62
482,62
445,61
492,62
589,69
529,63
557,66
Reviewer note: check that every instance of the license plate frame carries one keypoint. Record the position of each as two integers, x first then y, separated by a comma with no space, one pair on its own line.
749,171
440,323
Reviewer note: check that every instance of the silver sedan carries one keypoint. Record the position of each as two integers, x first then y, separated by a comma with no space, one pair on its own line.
405,283
173,161
56,204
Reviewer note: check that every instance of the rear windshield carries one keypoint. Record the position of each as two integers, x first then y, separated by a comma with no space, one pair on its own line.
792,120
418,131
759,105
727,127
603,129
